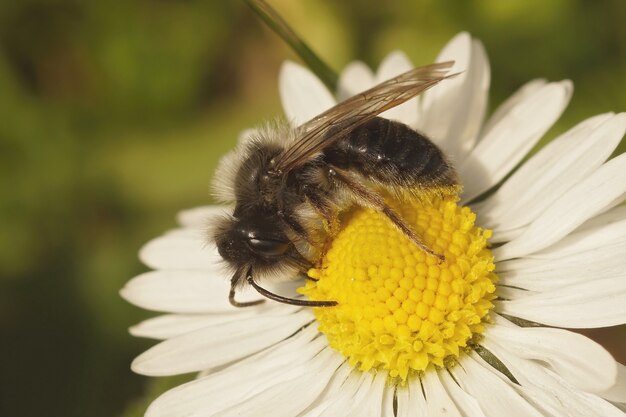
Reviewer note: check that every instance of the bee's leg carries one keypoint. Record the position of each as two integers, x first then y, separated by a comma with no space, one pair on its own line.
377,202
292,223
326,211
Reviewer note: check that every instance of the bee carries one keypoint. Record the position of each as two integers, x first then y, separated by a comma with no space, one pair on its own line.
289,185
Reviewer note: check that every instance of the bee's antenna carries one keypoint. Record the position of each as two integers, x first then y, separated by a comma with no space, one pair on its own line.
231,296
235,303
279,298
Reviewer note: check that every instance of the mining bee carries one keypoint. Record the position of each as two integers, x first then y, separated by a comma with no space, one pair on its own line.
289,185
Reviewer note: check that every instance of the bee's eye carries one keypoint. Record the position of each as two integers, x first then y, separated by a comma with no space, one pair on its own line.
268,247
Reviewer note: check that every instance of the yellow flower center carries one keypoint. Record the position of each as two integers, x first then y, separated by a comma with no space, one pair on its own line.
399,308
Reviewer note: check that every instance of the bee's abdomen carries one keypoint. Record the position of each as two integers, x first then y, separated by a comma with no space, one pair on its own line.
392,153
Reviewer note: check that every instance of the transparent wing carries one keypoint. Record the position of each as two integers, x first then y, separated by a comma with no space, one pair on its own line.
324,129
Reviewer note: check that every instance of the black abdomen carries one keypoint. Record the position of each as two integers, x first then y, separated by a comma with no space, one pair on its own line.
392,153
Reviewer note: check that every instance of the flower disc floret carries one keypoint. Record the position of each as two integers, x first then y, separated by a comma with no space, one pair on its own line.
399,308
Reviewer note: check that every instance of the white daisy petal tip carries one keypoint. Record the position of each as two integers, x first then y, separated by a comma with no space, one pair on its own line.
126,293
199,217
133,293
181,249
355,78
459,50
395,63
137,367
524,91
568,89
617,393
460,42
302,94
453,112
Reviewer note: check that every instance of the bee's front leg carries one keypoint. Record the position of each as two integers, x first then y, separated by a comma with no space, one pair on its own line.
329,216
371,199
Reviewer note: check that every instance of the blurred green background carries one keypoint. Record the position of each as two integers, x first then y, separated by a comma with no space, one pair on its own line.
113,115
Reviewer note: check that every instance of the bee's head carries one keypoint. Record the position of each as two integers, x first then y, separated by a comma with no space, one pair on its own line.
255,246
254,240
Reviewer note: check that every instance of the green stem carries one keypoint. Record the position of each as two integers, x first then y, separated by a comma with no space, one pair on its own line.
282,29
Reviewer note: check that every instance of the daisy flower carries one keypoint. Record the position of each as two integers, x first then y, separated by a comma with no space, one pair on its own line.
529,253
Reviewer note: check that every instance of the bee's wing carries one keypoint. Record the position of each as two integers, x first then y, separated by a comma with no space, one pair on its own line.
324,129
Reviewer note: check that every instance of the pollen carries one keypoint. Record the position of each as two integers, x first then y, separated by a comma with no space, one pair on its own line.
400,309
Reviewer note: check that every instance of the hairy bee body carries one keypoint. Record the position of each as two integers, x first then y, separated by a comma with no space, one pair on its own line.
290,185
277,219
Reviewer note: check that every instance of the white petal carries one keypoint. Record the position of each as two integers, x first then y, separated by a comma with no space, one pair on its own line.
403,401
355,78
587,199
411,400
615,215
578,359
495,396
504,146
617,392
223,389
440,104
302,94
339,378
589,304
340,400
508,291
199,217
179,292
557,167
547,390
360,394
477,97
605,231
188,250
504,109
218,344
596,250
171,325
333,389
470,106
438,401
292,391
453,111
368,401
465,402
395,64
544,407
416,398
501,235
388,399
197,292
549,274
